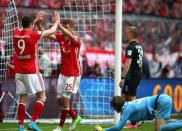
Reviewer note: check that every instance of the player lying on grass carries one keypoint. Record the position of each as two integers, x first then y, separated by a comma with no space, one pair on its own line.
148,108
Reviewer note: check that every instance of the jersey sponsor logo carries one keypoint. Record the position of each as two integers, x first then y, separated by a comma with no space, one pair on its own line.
64,50
129,52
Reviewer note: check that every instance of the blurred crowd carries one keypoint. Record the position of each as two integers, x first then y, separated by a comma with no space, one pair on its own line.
84,5
161,40
164,8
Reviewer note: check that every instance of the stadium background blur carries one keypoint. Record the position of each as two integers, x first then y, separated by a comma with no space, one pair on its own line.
159,23
160,39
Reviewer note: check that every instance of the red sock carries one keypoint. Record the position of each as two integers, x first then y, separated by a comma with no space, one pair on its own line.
63,117
21,113
72,113
37,110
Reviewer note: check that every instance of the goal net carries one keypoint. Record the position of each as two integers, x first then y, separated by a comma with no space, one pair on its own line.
7,90
10,23
94,23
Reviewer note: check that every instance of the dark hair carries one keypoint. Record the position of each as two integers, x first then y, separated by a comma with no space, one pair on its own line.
117,102
26,21
68,21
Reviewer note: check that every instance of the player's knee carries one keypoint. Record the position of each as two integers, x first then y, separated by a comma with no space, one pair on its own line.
63,102
23,98
42,98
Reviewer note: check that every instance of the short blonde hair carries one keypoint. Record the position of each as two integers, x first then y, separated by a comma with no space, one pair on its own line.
134,31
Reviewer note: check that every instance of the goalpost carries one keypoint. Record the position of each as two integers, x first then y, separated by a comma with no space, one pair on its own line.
118,45
92,102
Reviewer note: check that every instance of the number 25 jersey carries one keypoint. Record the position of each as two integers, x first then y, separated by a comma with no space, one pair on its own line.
25,44
70,65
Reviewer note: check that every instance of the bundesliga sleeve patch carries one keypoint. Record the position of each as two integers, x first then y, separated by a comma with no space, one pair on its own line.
129,52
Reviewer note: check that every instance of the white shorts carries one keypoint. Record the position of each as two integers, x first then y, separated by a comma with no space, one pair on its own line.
29,83
67,85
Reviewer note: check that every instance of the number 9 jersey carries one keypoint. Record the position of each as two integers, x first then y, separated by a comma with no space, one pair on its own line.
25,44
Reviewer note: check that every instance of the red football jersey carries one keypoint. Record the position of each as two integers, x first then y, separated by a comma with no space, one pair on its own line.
70,65
25,44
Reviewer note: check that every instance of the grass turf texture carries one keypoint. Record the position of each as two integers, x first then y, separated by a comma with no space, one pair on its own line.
81,127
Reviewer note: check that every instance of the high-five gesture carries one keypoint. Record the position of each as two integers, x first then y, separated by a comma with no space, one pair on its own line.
40,16
54,27
55,16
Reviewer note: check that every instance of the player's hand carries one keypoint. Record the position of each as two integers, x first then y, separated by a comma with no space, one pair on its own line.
53,17
98,128
56,17
40,16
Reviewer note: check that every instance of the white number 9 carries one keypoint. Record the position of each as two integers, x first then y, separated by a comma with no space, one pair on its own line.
21,45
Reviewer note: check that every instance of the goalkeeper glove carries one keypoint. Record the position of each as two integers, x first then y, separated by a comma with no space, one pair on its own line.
98,128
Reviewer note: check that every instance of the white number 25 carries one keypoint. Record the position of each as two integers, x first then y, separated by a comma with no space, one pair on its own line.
21,46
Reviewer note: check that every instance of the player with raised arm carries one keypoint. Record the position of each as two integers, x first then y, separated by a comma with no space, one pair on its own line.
147,108
70,73
28,78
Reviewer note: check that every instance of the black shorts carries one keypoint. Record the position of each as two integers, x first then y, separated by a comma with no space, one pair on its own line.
130,86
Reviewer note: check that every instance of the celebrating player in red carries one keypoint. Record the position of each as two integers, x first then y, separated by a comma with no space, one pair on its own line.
28,79
70,74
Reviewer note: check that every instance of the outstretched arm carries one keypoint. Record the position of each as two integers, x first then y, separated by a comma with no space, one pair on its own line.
124,117
53,29
118,126
40,16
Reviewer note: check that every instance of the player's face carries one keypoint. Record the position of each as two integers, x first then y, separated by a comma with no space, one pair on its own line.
31,26
128,34
67,26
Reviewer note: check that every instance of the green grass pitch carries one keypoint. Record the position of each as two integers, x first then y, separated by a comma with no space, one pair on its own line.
81,127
